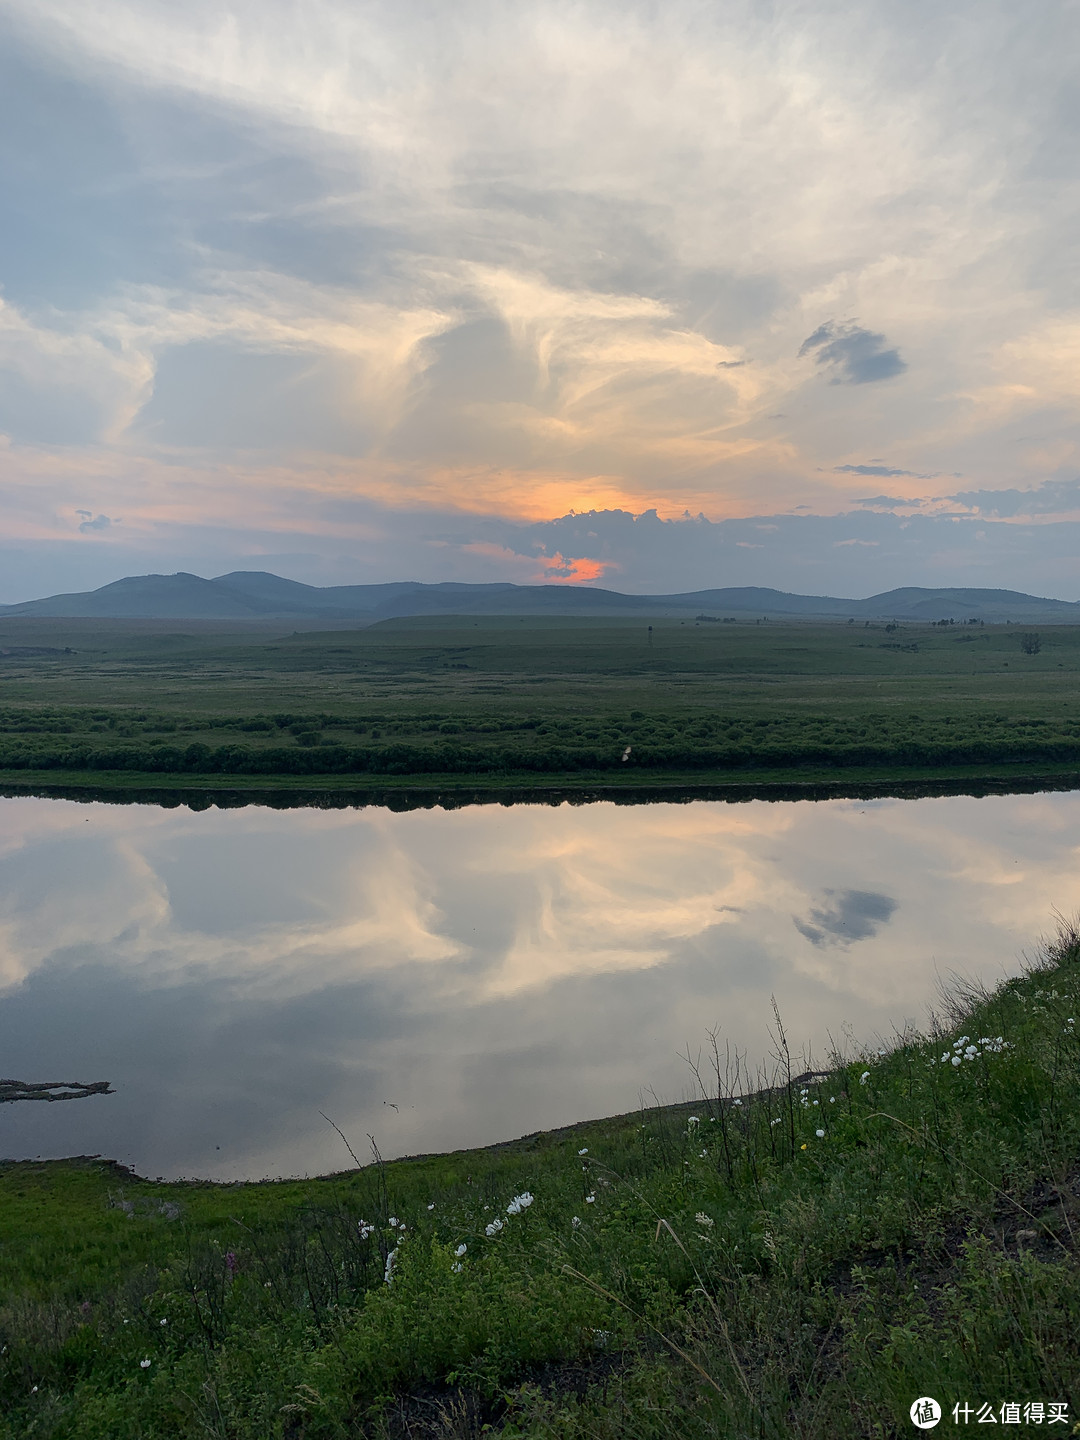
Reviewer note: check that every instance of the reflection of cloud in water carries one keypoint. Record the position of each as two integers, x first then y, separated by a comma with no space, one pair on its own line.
490,970
852,915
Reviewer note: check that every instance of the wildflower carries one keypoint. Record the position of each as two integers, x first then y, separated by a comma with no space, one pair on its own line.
144,1364
461,1250
945,1057
776,1121
267,1284
692,1120
820,1134
832,1099
33,1390
231,1262
703,1219
519,1203
956,1060
864,1077
163,1322
738,1101
365,1229
457,1267
494,1228
575,1221
881,1052
388,1273
590,1199
432,1205
584,1150
802,1147
86,1307
393,1221
704,1154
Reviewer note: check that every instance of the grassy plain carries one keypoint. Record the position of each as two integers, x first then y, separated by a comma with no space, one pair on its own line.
452,702
799,1260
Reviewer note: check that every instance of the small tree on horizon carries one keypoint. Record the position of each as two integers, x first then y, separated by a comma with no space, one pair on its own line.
1031,643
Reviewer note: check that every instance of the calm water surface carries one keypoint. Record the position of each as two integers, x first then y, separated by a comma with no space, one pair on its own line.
441,979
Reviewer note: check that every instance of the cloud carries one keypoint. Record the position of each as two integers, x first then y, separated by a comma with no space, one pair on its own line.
855,355
1052,497
94,522
512,262
846,916
883,470
887,502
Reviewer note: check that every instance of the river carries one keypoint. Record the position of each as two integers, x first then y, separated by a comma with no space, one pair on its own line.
439,979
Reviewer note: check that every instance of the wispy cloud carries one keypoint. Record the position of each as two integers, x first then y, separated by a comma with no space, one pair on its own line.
885,471
518,261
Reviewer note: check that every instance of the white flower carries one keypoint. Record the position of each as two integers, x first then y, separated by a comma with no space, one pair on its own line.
881,1052
519,1203
590,1199
365,1229
461,1250
820,1134
864,1077
494,1228
575,1221
144,1364
163,1322
776,1121
956,1059
584,1151
393,1220
945,1057
457,1267
738,1102
703,1219
832,1099
432,1205
388,1273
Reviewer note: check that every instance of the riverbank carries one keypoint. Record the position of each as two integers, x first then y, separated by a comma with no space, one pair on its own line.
806,1258
404,792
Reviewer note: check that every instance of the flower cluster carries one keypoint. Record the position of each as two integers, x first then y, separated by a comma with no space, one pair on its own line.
519,1203
966,1049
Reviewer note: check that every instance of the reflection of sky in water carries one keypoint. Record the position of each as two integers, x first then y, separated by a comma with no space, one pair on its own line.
487,971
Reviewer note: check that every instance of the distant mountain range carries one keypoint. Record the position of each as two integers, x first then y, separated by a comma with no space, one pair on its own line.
257,595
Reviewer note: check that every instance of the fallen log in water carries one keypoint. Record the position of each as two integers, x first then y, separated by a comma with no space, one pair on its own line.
52,1090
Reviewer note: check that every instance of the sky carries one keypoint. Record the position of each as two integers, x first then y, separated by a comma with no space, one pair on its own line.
651,296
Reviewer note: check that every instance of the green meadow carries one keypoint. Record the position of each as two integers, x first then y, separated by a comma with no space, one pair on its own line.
560,704
790,1255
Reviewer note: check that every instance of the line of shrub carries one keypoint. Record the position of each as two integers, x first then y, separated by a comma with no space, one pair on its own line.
406,759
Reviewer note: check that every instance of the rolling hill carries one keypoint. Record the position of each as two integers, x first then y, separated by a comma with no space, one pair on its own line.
258,595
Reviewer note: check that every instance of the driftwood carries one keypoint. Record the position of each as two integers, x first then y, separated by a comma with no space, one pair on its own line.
52,1090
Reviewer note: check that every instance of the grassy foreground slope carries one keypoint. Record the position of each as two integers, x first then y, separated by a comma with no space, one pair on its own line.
801,1261
450,702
